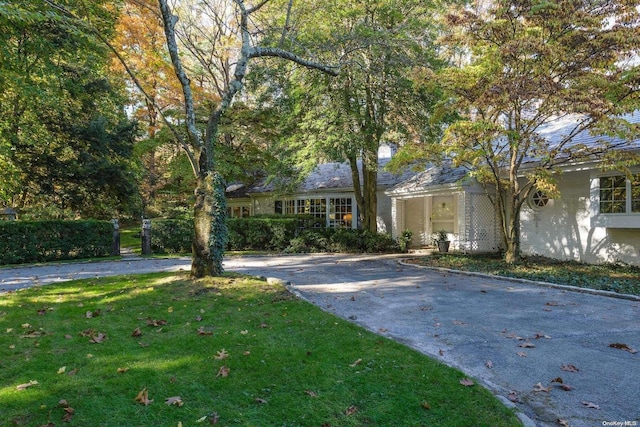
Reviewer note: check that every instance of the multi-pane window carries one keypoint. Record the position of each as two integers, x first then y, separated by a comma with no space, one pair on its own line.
340,213
334,212
289,207
238,211
619,195
313,207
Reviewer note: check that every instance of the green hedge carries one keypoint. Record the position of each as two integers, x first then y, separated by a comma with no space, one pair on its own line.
40,241
342,240
291,234
171,236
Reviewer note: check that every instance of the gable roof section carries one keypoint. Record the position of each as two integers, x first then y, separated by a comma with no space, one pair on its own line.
434,177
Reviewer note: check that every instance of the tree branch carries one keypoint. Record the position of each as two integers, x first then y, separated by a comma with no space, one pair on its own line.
257,7
257,52
169,20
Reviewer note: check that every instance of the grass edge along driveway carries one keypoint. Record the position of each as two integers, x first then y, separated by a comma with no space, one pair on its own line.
164,350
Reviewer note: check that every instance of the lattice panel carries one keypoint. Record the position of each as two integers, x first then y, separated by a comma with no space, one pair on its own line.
480,224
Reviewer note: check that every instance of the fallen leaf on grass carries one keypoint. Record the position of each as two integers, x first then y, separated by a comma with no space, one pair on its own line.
261,400
68,415
68,337
91,314
213,419
590,405
351,410
201,331
311,393
72,372
539,387
26,385
466,382
569,368
143,397
356,363
136,333
425,405
174,400
32,334
62,370
223,372
624,347
100,337
68,411
122,370
222,354
156,323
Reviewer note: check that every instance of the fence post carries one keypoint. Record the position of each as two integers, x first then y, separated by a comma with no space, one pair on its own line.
115,246
146,237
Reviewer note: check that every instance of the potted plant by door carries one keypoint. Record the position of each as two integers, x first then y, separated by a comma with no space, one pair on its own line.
442,240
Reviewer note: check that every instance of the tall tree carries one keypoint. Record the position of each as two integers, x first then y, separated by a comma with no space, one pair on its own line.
239,47
64,137
374,100
526,63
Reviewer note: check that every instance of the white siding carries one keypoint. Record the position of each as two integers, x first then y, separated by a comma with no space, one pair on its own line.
564,229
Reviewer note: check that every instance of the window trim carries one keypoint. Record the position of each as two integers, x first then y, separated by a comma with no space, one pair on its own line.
627,219
535,197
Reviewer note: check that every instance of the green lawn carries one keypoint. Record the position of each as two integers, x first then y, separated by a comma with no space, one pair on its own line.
130,238
235,351
609,277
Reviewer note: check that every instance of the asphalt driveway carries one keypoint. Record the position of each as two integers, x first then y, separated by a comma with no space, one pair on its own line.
514,338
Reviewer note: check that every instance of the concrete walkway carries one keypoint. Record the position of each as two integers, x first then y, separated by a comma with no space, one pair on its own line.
512,337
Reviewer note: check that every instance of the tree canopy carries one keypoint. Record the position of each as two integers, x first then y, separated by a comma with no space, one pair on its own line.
65,139
516,66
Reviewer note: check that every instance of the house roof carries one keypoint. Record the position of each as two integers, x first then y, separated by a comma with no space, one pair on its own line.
434,176
334,176
556,130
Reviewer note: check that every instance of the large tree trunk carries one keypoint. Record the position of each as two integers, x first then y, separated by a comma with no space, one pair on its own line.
370,192
210,229
366,192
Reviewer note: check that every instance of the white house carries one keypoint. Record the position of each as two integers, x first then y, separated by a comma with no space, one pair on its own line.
596,219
